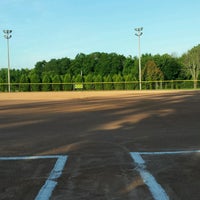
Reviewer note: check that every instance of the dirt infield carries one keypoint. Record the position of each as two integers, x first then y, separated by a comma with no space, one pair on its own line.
98,130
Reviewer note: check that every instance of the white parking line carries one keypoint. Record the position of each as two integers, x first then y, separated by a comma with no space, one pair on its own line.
50,184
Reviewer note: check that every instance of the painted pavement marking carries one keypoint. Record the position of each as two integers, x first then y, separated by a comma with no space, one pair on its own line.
51,182
155,188
169,152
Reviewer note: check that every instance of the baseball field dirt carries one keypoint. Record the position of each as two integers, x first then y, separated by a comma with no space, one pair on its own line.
97,131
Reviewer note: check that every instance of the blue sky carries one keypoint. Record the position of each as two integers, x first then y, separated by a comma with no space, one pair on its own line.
46,29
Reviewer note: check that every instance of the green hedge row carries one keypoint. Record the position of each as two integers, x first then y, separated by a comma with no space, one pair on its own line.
107,85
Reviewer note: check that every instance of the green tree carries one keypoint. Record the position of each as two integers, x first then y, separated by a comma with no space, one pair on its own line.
56,83
78,78
98,82
191,61
52,67
118,82
152,73
35,81
64,65
108,84
128,67
88,82
130,82
39,67
103,65
2,86
15,75
117,63
24,83
3,79
76,66
67,82
109,64
170,66
46,82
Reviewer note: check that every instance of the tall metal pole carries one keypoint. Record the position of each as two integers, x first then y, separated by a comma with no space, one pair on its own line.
8,36
139,33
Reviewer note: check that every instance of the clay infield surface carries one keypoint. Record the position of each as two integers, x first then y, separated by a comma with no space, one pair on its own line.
97,131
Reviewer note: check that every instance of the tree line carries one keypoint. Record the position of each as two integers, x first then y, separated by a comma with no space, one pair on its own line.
98,68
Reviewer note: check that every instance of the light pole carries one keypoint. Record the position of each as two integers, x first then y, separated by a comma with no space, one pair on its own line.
8,36
139,33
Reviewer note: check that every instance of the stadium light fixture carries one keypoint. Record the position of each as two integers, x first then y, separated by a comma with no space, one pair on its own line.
8,36
138,34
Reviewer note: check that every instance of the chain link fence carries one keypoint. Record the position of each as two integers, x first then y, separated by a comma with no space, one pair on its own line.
87,86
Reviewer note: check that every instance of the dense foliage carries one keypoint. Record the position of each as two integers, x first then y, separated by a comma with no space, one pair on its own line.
58,74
